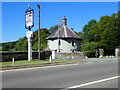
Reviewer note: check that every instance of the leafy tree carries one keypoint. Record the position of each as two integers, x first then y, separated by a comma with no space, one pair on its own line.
21,45
89,46
87,28
43,42
52,29
107,32
5,46
11,45
79,34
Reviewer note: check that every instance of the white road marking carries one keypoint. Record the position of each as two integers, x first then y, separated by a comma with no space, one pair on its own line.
94,82
37,67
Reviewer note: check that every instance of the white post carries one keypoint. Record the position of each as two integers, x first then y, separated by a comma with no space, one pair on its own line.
13,61
29,50
86,57
50,59
29,36
117,52
53,54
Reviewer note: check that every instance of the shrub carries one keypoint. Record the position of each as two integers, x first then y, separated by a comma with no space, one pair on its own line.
89,46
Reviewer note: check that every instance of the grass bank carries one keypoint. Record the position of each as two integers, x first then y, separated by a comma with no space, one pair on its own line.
25,62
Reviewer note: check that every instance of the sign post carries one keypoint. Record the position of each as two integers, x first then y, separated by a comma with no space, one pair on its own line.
13,61
29,23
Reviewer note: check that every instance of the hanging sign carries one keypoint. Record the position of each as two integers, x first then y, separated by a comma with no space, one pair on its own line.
29,18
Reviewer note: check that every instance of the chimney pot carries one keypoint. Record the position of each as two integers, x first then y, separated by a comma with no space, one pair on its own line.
64,20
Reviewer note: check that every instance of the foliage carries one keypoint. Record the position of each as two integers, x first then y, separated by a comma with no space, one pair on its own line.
87,28
80,34
89,46
8,46
52,29
21,44
118,47
106,32
43,42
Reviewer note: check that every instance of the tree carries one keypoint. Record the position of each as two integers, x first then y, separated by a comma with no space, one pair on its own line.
21,45
87,28
5,46
43,42
107,33
89,46
11,45
79,34
52,29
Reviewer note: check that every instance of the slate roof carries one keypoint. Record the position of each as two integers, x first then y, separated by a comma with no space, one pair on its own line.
47,49
63,32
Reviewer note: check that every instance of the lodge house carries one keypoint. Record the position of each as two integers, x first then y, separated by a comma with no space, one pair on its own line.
63,40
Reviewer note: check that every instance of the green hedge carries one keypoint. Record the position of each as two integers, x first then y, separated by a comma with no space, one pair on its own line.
7,56
89,53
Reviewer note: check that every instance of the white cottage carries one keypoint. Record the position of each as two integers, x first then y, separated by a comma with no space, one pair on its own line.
63,40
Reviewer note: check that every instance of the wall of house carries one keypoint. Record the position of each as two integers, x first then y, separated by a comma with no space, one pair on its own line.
66,45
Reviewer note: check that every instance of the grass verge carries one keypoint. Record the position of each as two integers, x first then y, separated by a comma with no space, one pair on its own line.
25,62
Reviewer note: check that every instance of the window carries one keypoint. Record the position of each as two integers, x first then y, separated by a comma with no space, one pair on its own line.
59,42
73,43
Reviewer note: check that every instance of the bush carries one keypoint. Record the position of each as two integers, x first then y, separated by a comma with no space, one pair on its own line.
47,54
89,53
89,46
118,47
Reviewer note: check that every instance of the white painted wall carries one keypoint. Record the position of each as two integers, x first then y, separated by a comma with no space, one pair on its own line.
65,45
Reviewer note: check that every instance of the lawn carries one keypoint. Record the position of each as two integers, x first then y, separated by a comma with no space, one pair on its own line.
25,62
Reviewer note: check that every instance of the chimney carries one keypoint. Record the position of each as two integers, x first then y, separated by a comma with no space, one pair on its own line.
64,20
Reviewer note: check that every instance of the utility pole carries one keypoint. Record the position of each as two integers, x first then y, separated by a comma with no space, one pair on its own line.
58,34
38,31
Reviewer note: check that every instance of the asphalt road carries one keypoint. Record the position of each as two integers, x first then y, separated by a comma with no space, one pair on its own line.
65,76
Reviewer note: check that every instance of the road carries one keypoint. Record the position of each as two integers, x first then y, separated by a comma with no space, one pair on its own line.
65,76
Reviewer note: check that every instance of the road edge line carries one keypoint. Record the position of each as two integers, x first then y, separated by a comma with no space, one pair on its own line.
94,82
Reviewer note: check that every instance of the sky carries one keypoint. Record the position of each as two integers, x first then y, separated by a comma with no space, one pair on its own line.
77,13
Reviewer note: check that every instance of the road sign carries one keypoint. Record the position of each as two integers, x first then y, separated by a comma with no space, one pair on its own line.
29,23
29,18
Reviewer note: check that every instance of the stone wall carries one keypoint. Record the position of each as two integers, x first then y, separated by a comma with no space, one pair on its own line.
117,52
22,55
101,52
7,56
74,55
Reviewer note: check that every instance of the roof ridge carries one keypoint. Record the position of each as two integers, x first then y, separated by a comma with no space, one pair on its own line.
71,30
65,30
